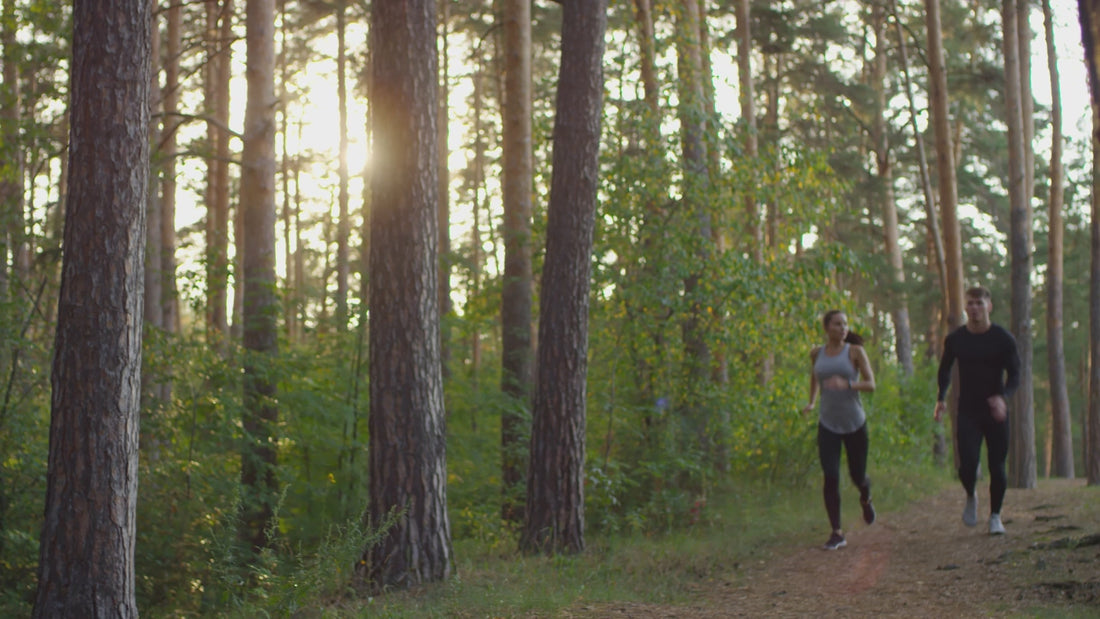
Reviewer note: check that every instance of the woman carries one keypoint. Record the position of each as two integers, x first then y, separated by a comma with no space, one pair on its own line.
840,370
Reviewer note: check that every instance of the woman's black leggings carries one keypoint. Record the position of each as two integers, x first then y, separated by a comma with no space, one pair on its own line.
828,449
972,428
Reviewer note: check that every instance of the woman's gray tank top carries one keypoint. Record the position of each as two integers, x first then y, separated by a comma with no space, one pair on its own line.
839,410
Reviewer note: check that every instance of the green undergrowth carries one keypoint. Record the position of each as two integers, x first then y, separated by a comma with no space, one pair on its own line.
740,524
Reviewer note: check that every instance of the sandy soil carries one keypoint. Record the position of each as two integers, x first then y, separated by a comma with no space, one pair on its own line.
923,562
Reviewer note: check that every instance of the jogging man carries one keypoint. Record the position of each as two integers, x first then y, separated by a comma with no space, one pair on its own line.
989,372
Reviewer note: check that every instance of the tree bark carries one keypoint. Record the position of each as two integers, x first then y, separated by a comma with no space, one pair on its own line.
1061,426
931,218
446,304
948,191
1021,461
945,166
1089,16
169,299
899,310
693,146
747,98
407,447
259,305
343,226
219,30
86,563
517,354
555,480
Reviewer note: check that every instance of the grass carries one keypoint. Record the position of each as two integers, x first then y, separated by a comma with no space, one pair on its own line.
741,524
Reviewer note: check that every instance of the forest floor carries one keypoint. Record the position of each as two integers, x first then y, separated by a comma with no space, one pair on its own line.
921,562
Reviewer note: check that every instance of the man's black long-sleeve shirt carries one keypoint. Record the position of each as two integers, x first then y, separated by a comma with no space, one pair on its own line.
989,364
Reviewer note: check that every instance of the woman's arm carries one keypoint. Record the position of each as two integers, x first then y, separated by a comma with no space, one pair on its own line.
863,365
813,382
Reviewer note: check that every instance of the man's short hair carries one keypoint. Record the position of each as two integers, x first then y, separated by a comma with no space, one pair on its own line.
979,292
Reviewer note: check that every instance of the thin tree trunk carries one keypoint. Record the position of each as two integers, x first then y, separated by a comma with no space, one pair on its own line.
219,27
169,299
945,166
1089,15
1021,462
1061,426
747,99
290,285
517,354
259,306
948,190
446,304
154,316
899,300
693,129
343,226
932,223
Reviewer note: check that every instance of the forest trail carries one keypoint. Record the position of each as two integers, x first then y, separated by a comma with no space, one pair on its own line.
921,562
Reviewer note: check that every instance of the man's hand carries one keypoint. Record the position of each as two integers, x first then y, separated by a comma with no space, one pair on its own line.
998,408
940,407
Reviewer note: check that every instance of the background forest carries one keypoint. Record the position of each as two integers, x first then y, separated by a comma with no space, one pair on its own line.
760,163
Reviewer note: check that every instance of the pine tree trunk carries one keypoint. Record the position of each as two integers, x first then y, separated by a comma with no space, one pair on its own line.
555,480
1061,427
259,305
898,299
408,473
1089,14
86,561
517,356
1022,459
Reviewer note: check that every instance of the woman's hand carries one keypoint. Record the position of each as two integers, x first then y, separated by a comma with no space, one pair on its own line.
806,410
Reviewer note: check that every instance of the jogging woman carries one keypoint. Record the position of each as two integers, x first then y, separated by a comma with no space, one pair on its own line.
839,371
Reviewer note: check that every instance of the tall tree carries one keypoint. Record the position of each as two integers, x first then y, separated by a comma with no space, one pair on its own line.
216,73
86,564
169,300
446,304
516,292
696,182
946,185
12,202
747,97
343,226
1089,16
1022,462
1061,427
554,519
898,301
407,448
260,308
945,164
153,290
931,218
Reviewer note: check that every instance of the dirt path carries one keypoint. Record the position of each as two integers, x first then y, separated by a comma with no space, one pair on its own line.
922,562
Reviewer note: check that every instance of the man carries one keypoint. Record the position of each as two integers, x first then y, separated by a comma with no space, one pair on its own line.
989,372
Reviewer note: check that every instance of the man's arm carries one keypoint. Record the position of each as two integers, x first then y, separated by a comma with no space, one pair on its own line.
1012,367
943,375
943,378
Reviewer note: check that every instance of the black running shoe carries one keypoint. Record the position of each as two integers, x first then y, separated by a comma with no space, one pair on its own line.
836,540
868,510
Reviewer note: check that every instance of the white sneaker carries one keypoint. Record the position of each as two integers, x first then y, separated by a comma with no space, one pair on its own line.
970,512
995,526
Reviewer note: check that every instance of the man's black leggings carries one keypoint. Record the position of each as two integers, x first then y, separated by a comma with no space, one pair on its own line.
828,449
972,429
